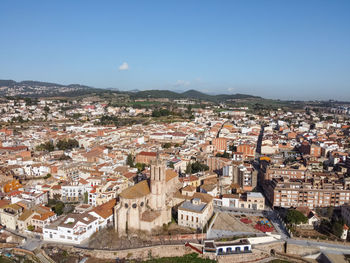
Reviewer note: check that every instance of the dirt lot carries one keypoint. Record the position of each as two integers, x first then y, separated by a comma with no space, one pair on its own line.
310,233
230,222
108,238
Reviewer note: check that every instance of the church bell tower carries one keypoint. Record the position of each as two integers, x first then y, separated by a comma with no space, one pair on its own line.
158,185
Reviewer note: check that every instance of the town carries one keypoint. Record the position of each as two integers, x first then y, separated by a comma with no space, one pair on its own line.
135,179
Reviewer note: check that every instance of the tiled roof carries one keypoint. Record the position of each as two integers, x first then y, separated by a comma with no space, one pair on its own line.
149,216
138,190
170,174
105,210
26,214
148,154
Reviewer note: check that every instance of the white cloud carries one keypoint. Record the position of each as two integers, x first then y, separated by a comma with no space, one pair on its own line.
180,83
231,89
124,66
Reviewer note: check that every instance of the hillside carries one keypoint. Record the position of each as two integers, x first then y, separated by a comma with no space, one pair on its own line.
190,94
29,88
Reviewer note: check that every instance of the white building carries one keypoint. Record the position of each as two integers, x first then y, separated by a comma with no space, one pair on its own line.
73,228
196,212
74,191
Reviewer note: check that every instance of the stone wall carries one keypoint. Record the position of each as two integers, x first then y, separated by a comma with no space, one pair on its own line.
136,253
181,237
300,250
277,246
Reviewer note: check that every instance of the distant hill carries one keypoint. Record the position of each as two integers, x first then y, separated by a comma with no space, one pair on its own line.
156,94
190,94
29,88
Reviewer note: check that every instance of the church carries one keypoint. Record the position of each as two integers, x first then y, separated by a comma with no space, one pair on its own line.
147,204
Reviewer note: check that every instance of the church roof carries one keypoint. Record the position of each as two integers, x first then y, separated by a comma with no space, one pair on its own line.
170,174
150,216
136,191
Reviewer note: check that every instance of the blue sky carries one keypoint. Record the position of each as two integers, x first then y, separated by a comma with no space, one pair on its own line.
275,49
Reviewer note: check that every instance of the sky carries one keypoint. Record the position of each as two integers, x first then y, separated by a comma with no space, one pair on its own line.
275,49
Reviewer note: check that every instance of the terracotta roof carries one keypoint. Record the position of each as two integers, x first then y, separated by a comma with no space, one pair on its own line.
129,175
304,210
170,174
230,196
149,216
4,202
56,187
206,198
189,188
148,154
105,210
44,216
208,187
138,190
26,214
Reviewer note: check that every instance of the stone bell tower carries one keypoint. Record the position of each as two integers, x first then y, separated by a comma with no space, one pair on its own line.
158,185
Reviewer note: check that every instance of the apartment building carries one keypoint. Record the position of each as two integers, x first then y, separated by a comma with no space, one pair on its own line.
309,192
74,191
242,174
220,144
288,173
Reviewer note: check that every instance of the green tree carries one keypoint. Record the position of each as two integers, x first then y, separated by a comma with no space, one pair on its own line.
140,167
189,168
224,155
86,197
30,228
47,146
233,148
67,144
337,228
295,217
58,208
330,211
196,167
130,160
167,145
46,109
